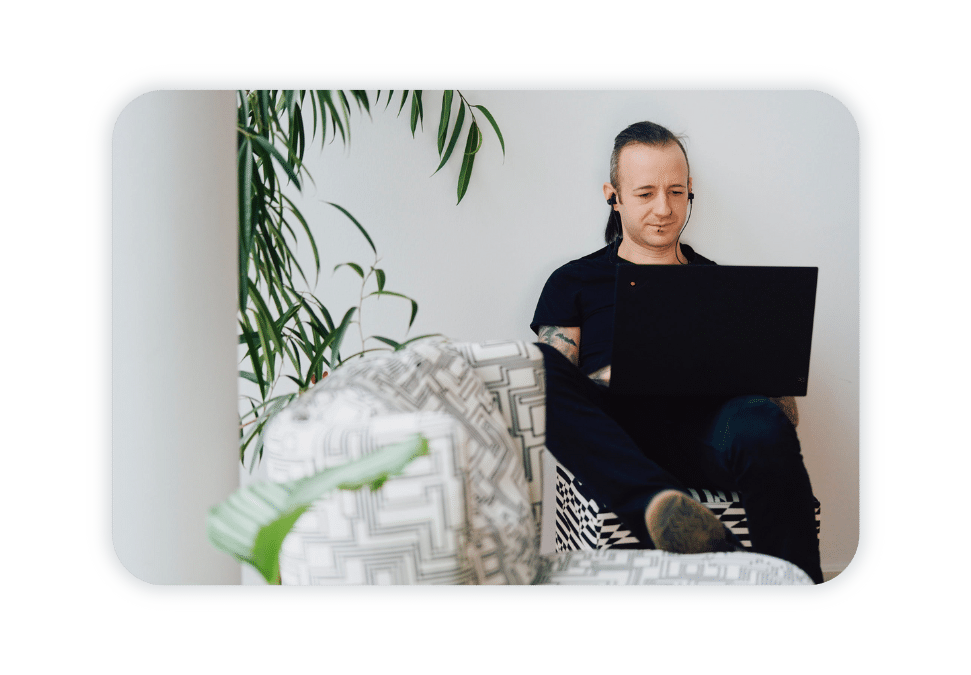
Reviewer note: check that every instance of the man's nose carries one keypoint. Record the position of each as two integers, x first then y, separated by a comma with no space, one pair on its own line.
663,205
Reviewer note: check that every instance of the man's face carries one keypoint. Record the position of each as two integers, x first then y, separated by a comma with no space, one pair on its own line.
653,199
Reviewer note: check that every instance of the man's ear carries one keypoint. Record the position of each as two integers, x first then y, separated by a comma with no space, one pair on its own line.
689,184
609,192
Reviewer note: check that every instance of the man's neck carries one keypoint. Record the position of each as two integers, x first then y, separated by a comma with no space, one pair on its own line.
673,255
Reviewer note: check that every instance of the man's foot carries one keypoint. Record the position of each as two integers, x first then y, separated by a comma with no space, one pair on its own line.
679,524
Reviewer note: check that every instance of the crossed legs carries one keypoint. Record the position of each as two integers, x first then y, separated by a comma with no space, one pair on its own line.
635,458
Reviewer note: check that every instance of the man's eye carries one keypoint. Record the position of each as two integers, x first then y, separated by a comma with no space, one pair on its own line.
646,194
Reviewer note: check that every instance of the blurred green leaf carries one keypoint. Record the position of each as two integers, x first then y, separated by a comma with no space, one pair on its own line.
334,115
354,266
379,274
266,145
354,220
253,522
414,305
387,341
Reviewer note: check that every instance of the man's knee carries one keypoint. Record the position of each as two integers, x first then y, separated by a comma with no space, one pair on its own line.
760,432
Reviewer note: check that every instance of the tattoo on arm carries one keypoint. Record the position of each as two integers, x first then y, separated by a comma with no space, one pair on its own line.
565,340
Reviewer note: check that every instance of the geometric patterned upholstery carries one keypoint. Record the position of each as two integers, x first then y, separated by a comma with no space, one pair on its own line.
498,534
632,568
412,531
470,512
581,526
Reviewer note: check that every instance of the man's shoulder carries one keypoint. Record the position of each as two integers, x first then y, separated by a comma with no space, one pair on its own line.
599,258
582,268
696,258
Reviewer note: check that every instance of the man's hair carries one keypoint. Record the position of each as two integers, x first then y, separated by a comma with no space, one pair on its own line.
645,133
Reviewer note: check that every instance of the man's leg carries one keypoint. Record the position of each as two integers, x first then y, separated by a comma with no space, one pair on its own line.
749,445
613,469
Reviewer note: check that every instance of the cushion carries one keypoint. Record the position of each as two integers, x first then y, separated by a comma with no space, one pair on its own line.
330,424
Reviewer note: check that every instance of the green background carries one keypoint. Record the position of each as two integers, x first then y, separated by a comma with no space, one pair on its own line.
61,59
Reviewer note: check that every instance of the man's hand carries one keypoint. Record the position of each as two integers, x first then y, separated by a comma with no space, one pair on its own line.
788,405
602,376
565,340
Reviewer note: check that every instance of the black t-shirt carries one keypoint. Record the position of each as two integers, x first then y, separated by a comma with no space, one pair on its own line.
581,293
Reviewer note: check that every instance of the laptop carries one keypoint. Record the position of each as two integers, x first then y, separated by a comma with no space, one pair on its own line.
715,330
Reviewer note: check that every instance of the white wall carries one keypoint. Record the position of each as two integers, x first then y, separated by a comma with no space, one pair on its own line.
776,183
173,333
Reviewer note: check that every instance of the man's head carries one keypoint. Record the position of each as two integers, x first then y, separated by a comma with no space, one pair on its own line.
630,168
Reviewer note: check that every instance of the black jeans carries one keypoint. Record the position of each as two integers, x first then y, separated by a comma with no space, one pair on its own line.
625,450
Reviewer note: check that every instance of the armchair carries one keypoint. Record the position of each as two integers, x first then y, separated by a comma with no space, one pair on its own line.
472,511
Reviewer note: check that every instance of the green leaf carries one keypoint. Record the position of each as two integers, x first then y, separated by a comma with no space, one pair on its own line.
310,237
359,226
346,110
414,113
471,147
248,376
266,145
360,97
314,320
404,97
418,337
380,277
253,350
456,132
245,197
354,266
334,115
495,126
288,102
387,341
252,524
263,316
336,336
443,119
414,305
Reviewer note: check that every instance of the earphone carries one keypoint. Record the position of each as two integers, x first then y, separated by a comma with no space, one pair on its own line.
691,198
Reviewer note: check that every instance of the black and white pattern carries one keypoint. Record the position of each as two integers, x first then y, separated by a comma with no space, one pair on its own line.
513,373
428,376
631,568
581,526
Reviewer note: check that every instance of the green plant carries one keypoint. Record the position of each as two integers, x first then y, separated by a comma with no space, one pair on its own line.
286,332
253,522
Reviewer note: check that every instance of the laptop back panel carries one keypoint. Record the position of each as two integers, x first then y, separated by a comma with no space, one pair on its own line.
712,330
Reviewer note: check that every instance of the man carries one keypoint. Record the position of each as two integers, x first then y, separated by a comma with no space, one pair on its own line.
635,455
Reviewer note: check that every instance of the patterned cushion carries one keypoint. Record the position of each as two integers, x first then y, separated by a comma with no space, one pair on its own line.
582,526
628,568
428,376
414,530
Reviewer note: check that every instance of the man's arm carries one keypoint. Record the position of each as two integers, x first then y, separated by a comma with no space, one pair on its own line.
564,339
